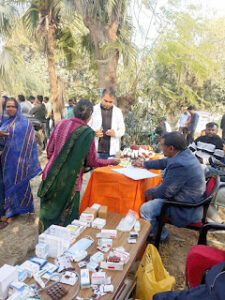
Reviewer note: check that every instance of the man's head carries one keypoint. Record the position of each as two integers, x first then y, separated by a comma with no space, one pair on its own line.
21,98
191,109
46,99
39,99
211,129
108,98
31,99
185,111
70,102
173,142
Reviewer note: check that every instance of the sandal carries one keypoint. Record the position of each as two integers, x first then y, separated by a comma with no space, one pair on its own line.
3,225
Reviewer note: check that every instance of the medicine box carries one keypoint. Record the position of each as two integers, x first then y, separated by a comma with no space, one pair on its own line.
84,278
97,257
86,218
41,250
56,245
96,206
103,211
91,211
16,286
98,278
8,274
98,223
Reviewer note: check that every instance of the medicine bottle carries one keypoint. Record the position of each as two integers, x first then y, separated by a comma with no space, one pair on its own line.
137,226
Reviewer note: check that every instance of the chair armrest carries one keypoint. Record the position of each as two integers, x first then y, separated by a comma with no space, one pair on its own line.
222,184
185,204
202,240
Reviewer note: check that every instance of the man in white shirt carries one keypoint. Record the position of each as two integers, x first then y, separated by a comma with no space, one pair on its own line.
107,121
182,123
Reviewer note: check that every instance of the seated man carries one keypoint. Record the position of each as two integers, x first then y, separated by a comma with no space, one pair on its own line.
208,148
183,181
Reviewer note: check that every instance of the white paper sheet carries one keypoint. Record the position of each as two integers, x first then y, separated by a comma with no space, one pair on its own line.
135,173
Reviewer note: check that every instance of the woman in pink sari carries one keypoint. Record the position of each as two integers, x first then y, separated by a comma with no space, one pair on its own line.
70,148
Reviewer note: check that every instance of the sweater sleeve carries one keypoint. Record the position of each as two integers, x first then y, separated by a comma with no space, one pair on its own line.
95,162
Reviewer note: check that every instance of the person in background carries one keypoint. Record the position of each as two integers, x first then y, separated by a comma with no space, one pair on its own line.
222,126
184,181
69,109
25,105
182,123
209,147
18,161
192,125
107,121
31,99
71,147
39,111
48,107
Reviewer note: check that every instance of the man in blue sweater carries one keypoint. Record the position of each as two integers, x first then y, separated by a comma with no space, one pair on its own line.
183,181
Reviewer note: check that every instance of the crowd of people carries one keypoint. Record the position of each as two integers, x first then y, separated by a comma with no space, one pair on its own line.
90,136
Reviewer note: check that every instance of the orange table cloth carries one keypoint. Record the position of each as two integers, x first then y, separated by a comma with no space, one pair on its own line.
116,191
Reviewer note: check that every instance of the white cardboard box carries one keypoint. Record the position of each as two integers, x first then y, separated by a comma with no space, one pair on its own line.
8,274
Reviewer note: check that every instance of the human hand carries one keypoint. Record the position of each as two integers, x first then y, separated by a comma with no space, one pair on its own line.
3,133
99,133
137,163
116,162
110,132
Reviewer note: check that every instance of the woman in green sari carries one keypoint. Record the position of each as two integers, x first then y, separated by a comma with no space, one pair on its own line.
71,146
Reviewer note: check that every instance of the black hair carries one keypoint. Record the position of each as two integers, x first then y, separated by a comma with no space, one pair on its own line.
109,91
175,139
21,98
31,98
40,98
83,109
11,99
191,107
46,98
71,99
211,125
5,97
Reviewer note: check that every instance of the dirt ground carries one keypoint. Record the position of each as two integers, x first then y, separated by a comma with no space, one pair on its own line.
17,241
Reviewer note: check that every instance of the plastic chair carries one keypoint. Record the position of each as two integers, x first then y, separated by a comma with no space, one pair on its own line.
211,190
202,257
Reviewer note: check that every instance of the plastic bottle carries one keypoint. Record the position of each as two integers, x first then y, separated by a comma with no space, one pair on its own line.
137,226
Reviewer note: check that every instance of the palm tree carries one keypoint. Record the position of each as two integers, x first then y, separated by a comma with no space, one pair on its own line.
106,21
8,59
42,20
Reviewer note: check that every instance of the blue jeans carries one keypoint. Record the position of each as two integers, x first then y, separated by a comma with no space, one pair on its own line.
105,155
150,211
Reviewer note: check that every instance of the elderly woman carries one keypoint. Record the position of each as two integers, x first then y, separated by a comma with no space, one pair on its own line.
19,162
70,147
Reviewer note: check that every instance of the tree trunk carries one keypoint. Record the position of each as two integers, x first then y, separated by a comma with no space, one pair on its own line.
102,35
52,73
107,72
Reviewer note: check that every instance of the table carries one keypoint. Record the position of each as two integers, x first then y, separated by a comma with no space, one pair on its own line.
116,191
135,250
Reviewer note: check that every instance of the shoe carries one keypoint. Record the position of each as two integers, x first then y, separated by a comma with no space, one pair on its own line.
151,240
